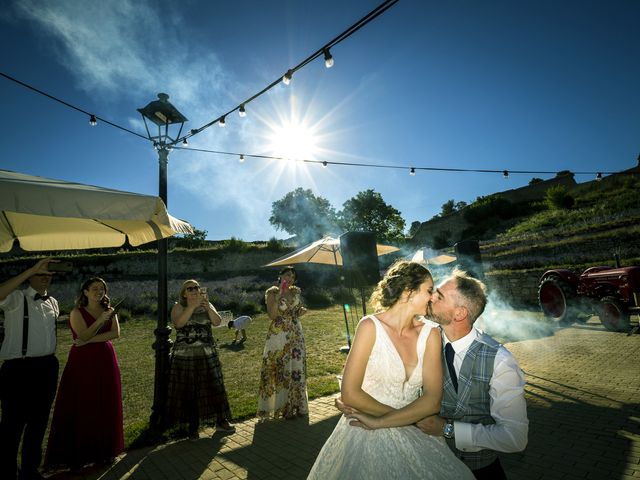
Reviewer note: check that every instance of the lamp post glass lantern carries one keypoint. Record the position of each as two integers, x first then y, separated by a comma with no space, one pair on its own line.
162,114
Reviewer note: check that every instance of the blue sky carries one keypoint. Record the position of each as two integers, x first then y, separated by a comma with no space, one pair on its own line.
535,85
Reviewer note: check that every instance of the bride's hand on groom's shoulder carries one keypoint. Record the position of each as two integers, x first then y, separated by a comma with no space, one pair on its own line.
432,425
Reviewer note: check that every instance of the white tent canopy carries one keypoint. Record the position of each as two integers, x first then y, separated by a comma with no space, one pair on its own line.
46,214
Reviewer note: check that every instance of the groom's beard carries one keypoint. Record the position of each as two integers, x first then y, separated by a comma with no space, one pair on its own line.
440,319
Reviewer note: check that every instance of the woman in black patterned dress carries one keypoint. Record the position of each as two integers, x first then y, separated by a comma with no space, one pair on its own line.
196,385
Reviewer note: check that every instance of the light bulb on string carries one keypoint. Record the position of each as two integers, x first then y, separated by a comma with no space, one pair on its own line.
185,142
241,159
241,111
505,173
599,176
324,164
286,79
328,59
412,172
93,121
221,122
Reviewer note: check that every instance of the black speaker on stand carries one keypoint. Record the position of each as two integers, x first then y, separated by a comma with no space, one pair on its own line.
469,258
360,265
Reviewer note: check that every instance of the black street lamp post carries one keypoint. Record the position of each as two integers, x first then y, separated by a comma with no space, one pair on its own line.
161,113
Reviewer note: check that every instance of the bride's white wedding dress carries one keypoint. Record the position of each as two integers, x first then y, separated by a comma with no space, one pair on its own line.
387,453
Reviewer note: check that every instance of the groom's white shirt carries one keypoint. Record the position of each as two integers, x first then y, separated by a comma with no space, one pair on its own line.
508,406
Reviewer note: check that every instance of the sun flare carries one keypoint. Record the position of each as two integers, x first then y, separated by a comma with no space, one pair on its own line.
295,141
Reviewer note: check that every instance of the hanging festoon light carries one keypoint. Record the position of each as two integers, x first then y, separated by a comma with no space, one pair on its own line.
412,172
241,159
185,142
286,79
328,59
599,176
221,122
241,111
93,121
505,173
324,164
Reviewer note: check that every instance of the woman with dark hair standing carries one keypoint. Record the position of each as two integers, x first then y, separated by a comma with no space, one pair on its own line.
196,384
283,378
395,355
87,419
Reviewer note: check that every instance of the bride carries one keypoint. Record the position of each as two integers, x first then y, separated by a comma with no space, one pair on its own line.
394,355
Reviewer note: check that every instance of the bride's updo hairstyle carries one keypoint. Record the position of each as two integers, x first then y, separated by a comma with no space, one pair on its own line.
401,276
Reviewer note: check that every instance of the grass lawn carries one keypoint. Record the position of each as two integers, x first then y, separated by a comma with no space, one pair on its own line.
324,332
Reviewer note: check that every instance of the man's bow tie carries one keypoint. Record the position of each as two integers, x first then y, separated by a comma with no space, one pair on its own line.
44,298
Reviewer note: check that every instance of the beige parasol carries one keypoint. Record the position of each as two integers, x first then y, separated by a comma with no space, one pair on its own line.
45,214
326,251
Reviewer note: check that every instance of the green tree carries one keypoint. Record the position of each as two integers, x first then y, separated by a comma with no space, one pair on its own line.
367,211
413,229
197,239
303,214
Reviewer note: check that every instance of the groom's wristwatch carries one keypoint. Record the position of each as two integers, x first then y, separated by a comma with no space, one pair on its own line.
447,430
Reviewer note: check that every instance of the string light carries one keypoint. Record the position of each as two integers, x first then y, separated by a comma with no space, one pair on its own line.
286,79
241,111
222,123
412,172
405,167
93,121
328,59
599,176
324,164
376,12
241,159
505,173
185,142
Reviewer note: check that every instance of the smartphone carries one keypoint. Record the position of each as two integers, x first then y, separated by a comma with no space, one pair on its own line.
60,266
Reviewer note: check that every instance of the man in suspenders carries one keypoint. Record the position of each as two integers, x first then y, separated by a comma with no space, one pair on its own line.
29,372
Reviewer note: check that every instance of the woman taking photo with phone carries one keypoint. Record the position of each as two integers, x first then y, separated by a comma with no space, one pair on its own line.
283,378
87,419
196,384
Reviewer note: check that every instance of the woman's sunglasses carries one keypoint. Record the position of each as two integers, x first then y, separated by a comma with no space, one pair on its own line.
193,288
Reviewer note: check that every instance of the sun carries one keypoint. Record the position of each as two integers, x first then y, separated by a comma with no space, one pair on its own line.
293,140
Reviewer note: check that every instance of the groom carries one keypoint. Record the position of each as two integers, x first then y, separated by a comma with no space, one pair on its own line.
483,407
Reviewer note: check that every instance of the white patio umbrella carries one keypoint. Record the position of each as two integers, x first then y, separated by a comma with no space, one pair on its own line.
431,257
325,251
46,214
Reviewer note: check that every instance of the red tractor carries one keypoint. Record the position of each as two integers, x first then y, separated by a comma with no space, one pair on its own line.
612,293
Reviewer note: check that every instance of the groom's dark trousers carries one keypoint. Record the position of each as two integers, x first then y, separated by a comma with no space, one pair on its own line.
493,471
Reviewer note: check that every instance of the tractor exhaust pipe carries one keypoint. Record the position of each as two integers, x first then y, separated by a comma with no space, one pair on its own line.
616,258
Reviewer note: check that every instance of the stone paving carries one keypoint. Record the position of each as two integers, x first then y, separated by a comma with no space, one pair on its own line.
583,397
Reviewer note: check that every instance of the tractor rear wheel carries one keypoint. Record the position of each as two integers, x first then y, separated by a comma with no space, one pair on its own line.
556,298
613,316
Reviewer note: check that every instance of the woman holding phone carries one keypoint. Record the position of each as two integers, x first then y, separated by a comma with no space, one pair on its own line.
196,384
283,378
87,418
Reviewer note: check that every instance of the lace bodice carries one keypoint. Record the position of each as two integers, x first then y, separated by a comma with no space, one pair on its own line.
385,378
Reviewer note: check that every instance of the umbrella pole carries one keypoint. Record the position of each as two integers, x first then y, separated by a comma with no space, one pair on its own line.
347,347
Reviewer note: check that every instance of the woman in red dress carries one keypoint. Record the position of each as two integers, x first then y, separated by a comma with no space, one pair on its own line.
87,419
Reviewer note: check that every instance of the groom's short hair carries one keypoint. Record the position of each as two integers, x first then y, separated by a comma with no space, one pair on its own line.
472,293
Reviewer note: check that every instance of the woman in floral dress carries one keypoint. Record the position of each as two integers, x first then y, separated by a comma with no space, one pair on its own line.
283,379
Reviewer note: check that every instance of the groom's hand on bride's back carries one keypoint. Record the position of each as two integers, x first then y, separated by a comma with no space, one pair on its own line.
432,425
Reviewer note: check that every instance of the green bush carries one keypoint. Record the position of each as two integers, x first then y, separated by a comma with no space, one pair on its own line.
557,198
317,298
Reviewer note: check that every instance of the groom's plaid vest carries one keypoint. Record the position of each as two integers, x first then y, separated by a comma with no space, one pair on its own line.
471,403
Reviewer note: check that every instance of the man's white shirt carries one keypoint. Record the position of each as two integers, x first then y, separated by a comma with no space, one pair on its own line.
42,325
508,406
